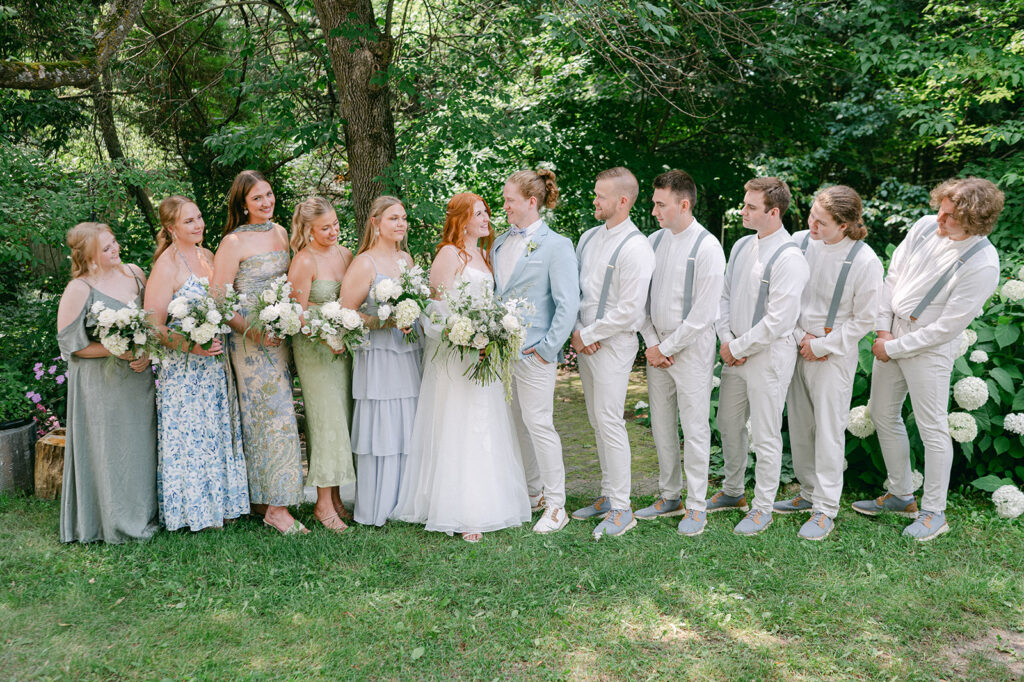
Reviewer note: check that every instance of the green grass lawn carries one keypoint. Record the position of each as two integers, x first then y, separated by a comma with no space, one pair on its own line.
401,603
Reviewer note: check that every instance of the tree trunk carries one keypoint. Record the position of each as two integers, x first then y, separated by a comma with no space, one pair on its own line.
105,117
49,474
360,56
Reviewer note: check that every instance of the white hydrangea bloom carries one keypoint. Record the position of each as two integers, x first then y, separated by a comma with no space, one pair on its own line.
331,309
967,339
1013,290
860,423
1009,501
270,296
107,317
970,393
97,306
962,427
268,314
979,356
1020,273
1014,423
116,345
406,313
715,382
387,290
461,331
917,479
640,405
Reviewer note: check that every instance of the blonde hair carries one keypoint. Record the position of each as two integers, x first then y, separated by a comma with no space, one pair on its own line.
624,181
776,193
370,234
539,184
844,205
977,203
170,209
302,220
82,240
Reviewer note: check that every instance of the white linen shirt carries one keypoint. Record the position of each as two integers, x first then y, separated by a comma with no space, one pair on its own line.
512,250
858,306
625,308
665,326
739,295
914,268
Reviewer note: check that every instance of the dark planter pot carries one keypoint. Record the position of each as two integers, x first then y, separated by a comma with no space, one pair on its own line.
16,456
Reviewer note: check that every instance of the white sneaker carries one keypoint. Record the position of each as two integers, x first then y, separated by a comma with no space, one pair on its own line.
536,502
553,519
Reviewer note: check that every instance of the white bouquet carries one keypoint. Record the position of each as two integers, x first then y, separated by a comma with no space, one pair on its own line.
201,317
275,313
489,332
338,327
126,330
402,300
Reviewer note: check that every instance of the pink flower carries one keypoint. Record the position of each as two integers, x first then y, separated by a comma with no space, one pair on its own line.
60,378
34,397
53,369
38,367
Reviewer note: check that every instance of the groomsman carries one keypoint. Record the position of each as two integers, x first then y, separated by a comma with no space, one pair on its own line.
760,304
680,335
939,278
616,263
838,308
534,262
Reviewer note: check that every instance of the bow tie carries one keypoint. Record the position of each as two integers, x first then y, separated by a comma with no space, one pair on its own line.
517,231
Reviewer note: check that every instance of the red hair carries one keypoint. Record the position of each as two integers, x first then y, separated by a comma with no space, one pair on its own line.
460,212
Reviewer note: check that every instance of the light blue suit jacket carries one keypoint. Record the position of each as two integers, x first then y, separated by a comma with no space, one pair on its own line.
548,277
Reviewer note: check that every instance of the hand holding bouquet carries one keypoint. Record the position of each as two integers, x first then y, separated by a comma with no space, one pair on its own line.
127,331
275,313
338,327
488,331
402,300
202,317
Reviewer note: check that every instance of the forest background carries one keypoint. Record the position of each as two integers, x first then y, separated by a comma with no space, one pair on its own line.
107,107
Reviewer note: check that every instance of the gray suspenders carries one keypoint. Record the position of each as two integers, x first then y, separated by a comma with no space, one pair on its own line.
609,271
690,269
766,276
837,294
804,242
946,276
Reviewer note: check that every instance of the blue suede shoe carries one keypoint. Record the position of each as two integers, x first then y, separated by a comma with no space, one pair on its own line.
928,526
756,521
720,502
662,507
616,523
900,506
797,504
600,509
817,527
693,522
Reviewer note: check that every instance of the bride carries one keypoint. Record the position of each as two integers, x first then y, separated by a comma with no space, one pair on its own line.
463,474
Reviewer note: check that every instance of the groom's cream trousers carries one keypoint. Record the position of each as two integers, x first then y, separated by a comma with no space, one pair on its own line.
533,394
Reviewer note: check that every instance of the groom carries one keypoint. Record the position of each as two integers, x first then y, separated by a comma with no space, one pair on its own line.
533,262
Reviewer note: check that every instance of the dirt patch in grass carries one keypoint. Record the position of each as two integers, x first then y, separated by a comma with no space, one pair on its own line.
1001,648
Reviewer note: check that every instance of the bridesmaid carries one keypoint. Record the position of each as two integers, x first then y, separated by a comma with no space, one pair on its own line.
252,254
326,378
109,489
385,373
200,477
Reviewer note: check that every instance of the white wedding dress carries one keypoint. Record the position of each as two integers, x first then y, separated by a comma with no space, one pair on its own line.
464,472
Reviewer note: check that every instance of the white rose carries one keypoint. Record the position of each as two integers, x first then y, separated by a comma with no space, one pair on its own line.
188,324
107,318
116,345
269,297
510,322
350,319
1009,501
979,356
970,393
1013,290
383,311
1014,423
178,307
480,341
962,427
214,317
124,316
139,338
97,307
269,314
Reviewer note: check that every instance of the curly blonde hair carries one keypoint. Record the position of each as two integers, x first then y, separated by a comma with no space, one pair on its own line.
83,238
977,203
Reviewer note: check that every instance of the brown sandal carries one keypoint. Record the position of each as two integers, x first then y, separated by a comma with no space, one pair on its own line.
333,523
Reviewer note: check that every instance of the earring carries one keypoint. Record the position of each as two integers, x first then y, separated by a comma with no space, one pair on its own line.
245,211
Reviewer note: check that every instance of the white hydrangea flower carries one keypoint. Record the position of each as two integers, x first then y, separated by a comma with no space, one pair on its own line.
331,309
967,339
640,405
962,427
461,331
860,423
715,382
1009,501
917,479
97,307
480,341
270,296
1014,423
268,314
1020,273
116,345
970,393
979,356
1013,290
107,317
406,313
387,290
124,316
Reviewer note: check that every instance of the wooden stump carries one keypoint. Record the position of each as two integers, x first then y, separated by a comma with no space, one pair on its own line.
50,464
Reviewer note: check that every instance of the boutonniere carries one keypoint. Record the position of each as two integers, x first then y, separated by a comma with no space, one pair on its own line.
530,246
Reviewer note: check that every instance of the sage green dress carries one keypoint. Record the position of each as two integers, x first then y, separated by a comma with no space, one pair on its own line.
326,381
109,489
270,436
